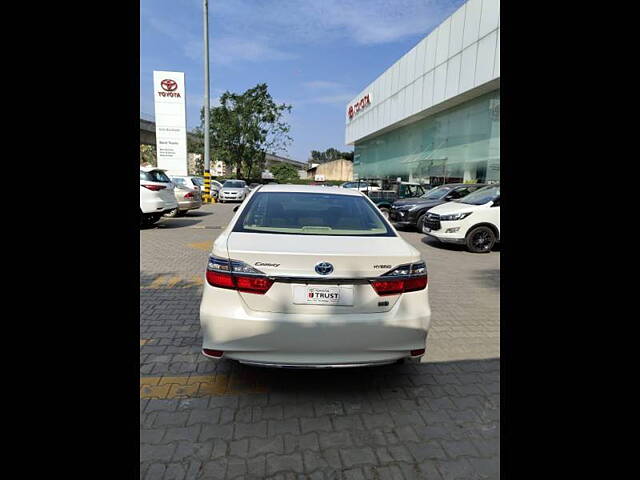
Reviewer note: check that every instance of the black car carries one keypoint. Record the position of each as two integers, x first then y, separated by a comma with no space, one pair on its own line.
411,212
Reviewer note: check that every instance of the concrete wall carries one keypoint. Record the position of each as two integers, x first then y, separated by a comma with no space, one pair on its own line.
457,60
340,169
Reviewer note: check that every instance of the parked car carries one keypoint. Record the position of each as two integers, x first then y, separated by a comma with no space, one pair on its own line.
233,190
411,212
362,186
188,181
385,198
156,195
187,198
473,220
307,276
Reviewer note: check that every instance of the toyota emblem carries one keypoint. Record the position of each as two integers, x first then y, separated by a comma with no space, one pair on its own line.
168,85
324,268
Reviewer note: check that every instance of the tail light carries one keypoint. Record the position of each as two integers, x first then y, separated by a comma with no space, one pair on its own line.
189,195
405,278
154,188
236,275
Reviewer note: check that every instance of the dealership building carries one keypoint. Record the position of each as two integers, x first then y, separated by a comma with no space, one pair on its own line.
434,115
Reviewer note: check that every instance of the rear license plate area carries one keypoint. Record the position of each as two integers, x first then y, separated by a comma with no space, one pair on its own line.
323,295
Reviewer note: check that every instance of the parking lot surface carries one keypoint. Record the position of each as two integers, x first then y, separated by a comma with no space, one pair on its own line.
205,420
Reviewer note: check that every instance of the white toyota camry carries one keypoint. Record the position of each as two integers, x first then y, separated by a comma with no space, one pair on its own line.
307,276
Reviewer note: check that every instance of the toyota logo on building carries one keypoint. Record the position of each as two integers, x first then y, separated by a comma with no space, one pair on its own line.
168,85
324,268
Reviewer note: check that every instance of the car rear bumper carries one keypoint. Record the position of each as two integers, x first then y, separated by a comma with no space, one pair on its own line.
312,340
192,205
157,206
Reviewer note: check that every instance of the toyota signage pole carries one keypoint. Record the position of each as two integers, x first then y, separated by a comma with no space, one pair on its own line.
171,121
207,159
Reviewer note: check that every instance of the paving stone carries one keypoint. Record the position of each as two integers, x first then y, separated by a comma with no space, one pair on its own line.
301,442
215,469
335,439
182,433
459,448
290,425
357,456
245,430
426,451
175,471
224,432
165,419
263,446
239,448
289,463
189,450
151,435
315,424
155,471
151,452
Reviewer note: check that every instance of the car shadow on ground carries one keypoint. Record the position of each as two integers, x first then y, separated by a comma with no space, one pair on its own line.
487,278
180,222
196,213
432,242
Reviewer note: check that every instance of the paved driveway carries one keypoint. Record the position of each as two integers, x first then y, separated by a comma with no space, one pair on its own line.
199,419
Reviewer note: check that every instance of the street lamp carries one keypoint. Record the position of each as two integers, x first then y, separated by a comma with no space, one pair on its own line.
207,163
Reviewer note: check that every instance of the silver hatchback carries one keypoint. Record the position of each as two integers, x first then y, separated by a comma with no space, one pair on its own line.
233,190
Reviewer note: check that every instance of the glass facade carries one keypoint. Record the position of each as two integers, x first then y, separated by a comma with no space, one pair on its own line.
461,144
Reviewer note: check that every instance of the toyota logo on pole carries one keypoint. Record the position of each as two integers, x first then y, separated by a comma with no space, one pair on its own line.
168,85
324,268
169,88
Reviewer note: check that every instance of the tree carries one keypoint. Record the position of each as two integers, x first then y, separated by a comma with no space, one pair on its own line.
329,155
148,154
284,173
244,128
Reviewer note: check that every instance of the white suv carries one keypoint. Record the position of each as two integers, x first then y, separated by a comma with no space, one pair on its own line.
310,276
473,220
156,195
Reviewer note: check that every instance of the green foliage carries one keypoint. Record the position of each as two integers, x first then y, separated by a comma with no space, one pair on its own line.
148,155
284,173
329,155
244,128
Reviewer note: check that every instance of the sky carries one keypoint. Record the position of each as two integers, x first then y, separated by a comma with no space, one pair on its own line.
315,55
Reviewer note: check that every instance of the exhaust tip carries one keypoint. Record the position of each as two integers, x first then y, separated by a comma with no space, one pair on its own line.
207,352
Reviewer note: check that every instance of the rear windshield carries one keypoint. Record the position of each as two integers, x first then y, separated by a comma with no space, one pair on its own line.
198,181
178,181
311,214
154,176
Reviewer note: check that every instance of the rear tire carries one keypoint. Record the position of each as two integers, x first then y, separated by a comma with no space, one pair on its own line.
385,212
480,240
173,213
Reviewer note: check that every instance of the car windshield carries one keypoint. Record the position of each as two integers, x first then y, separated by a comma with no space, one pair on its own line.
178,181
198,181
154,176
482,196
436,193
311,214
234,184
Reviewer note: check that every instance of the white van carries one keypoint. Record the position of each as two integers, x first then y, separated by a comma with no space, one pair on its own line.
473,220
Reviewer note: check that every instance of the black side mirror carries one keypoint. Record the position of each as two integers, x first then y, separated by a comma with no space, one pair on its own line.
235,209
